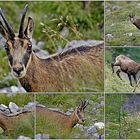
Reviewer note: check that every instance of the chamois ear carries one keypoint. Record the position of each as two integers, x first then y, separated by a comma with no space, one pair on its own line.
29,29
4,31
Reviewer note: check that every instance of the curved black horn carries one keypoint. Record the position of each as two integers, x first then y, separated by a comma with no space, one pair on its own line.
21,29
9,28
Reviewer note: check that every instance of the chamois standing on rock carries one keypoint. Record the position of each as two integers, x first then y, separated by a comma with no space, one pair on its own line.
63,72
127,65
59,120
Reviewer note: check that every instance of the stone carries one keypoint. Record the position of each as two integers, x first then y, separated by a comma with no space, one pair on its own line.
3,107
65,32
7,111
81,127
13,107
23,138
42,136
109,36
99,125
78,43
91,130
96,136
69,112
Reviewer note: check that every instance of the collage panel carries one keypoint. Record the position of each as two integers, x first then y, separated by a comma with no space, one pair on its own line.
122,69
61,116
61,50
122,23
17,116
122,116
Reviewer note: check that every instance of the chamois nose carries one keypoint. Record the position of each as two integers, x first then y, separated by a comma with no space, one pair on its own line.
18,70
83,120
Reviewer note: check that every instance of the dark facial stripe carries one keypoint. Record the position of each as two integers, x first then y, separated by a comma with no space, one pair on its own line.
8,54
26,58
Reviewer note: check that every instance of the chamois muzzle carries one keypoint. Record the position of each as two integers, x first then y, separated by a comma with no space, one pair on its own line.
18,71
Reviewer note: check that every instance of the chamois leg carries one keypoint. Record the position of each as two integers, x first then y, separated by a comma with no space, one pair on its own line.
135,79
118,73
112,66
129,76
136,85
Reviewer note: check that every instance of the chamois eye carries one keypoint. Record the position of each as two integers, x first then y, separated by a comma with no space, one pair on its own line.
29,48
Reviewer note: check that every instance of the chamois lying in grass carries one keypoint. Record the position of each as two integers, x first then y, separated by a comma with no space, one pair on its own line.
57,121
72,70
127,65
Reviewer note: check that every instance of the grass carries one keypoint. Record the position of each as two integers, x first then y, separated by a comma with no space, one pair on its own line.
65,102
22,127
119,124
118,24
50,19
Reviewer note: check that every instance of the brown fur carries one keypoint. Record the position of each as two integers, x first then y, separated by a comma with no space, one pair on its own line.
63,121
67,71
127,65
135,21
53,73
9,123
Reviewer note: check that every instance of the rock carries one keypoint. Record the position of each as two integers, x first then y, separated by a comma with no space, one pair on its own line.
40,44
109,37
81,127
78,43
69,112
132,104
112,24
116,7
42,136
96,136
128,34
94,111
3,107
65,32
7,111
91,130
23,138
13,89
38,49
102,104
99,125
42,54
13,107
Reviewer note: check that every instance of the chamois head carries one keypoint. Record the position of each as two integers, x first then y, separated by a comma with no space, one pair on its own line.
132,17
18,46
80,111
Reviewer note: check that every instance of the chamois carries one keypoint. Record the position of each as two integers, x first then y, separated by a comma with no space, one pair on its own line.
64,122
135,21
8,123
56,73
127,65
